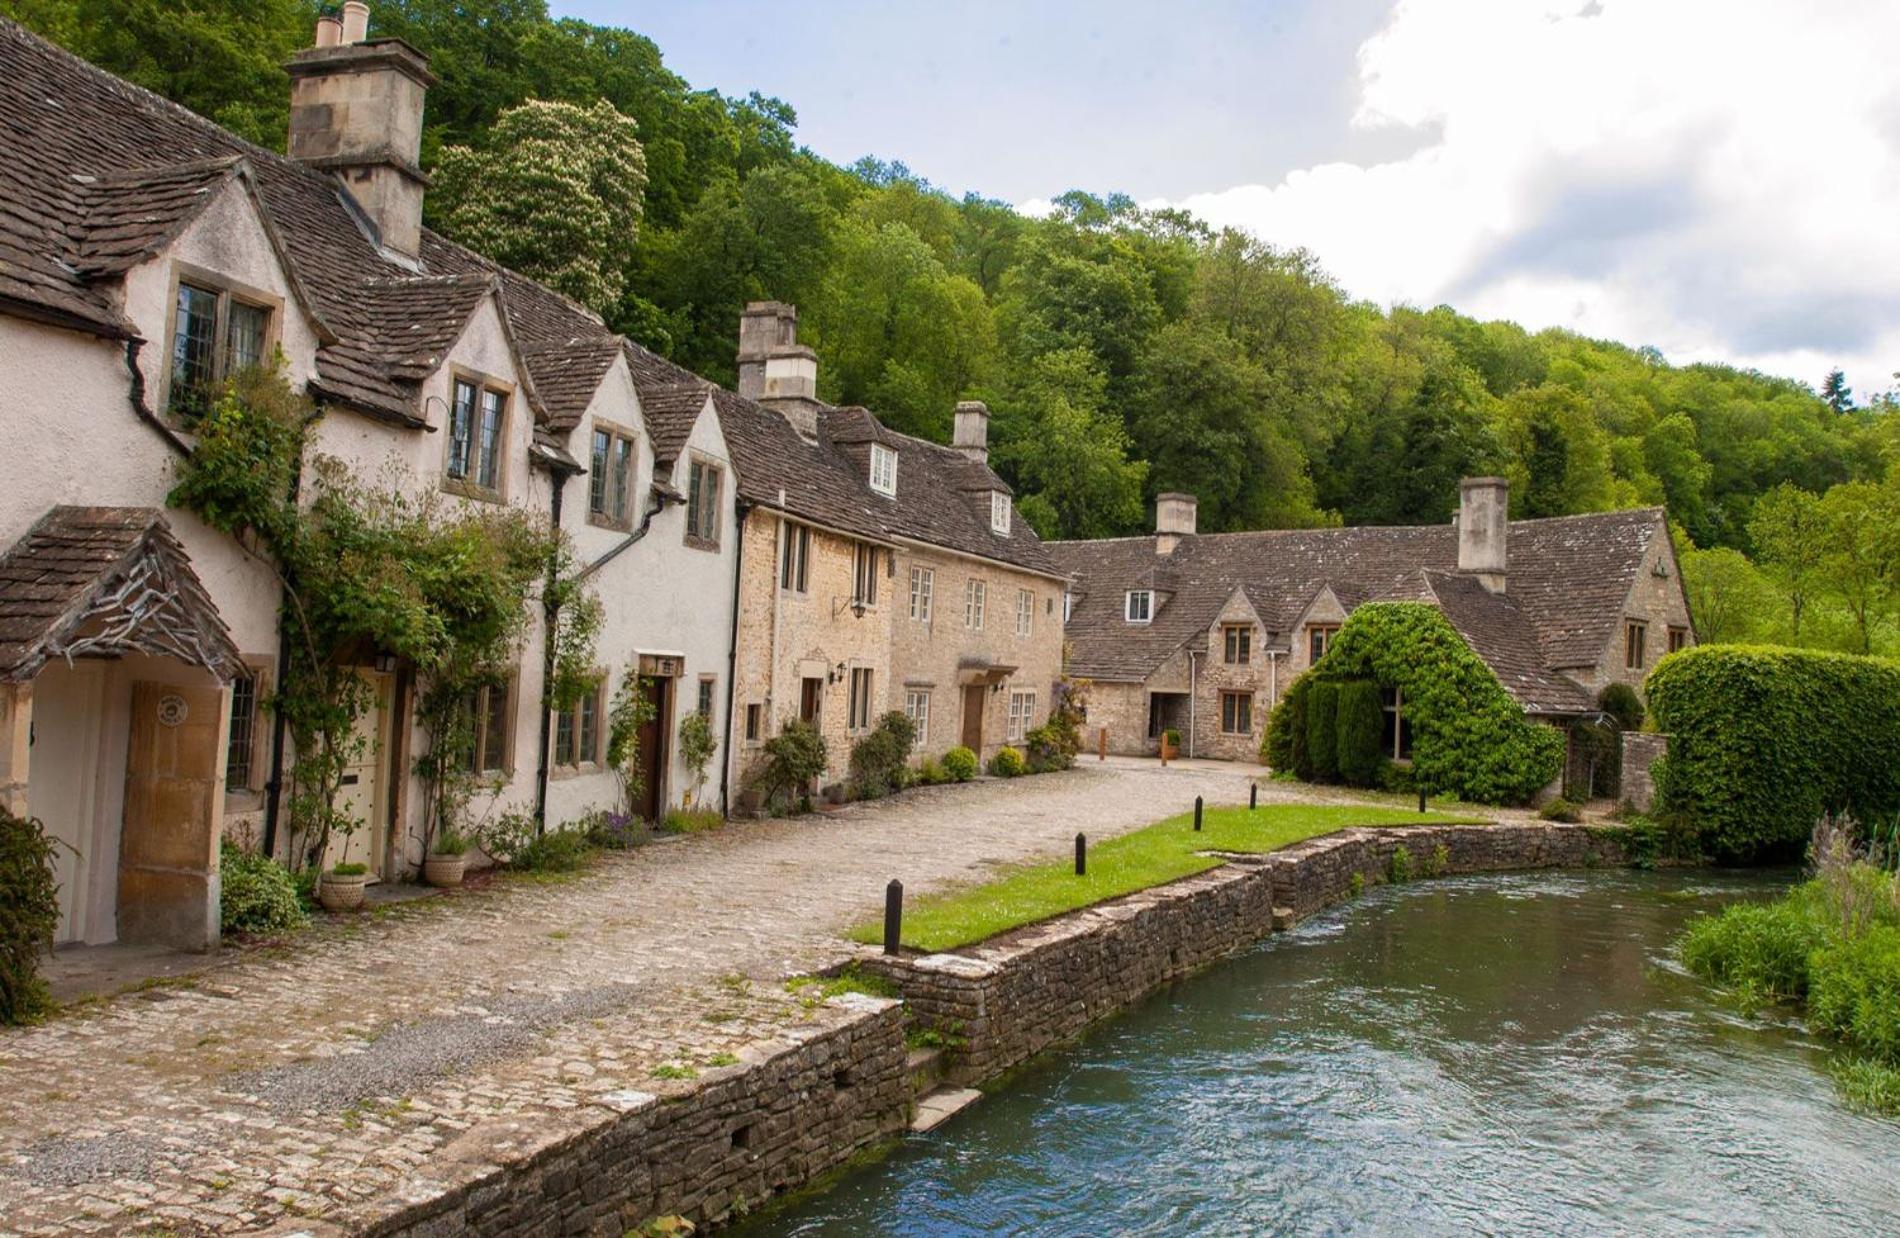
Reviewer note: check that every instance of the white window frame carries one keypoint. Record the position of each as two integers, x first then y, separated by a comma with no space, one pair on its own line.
975,594
883,470
1147,606
1022,708
917,709
1025,612
999,513
923,583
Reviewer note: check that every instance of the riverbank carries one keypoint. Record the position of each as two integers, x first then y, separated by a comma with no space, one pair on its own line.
1512,1053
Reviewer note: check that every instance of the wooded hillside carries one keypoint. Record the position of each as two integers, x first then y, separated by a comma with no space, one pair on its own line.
1124,352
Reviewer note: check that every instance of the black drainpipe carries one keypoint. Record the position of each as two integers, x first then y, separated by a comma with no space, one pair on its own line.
139,406
551,614
740,509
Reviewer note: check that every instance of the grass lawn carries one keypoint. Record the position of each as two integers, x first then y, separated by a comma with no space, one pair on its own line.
1152,855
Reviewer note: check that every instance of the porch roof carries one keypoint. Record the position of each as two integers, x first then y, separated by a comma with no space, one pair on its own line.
106,581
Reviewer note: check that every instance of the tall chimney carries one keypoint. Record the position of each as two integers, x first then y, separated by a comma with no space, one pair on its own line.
1484,529
774,368
972,433
356,110
1175,516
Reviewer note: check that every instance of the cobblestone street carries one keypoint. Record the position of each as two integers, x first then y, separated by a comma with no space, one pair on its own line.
286,1082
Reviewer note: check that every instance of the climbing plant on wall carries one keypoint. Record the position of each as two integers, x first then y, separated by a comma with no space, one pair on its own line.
364,569
1469,738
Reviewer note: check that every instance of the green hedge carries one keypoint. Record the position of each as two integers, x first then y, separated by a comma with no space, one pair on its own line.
1361,733
1763,740
1469,737
1322,732
29,912
1283,747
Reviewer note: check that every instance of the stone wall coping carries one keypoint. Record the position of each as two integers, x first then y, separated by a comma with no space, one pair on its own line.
955,965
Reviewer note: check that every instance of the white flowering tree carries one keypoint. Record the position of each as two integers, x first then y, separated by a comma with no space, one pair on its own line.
554,192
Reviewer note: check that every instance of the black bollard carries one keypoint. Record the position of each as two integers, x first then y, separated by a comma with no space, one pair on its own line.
1253,797
893,915
1081,855
1197,814
1421,797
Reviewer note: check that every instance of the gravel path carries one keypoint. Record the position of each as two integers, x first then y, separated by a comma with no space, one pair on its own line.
286,1082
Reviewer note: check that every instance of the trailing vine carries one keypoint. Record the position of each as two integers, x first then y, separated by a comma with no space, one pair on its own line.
629,711
364,570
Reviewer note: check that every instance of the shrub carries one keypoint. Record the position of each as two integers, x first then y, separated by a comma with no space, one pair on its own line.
611,831
878,759
1322,731
1561,809
1854,992
1049,749
1624,706
960,763
1760,949
255,893
352,869
697,746
1764,740
450,842
29,912
1360,728
1469,737
557,851
1007,763
1283,747
1399,868
793,759
930,772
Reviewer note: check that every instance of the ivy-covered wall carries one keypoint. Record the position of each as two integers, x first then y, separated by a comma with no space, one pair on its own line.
1469,737
1762,740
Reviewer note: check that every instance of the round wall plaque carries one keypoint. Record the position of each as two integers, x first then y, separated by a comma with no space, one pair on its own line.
172,710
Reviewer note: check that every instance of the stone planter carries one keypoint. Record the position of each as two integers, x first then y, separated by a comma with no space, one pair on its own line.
336,893
444,871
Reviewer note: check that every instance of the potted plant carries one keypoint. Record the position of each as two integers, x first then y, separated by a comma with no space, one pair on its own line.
341,887
1170,745
447,860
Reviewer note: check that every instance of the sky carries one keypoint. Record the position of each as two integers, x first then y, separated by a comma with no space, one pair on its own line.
1719,179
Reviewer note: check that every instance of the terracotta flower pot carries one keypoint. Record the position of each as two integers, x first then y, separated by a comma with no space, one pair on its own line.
336,893
444,871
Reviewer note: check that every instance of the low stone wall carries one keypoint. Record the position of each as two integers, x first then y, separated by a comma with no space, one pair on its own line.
1640,751
786,1114
1008,999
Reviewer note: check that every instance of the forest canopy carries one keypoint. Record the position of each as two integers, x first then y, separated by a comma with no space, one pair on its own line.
1124,351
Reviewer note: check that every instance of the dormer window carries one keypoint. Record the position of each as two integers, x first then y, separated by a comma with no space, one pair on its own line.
1141,605
999,513
214,335
883,470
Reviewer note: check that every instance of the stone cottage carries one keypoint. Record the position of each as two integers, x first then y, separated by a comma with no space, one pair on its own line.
148,255
1199,633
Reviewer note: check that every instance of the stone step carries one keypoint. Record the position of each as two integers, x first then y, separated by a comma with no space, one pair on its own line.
1283,918
937,1108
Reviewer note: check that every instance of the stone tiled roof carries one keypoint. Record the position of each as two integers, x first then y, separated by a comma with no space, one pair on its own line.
1566,582
103,173
110,580
671,411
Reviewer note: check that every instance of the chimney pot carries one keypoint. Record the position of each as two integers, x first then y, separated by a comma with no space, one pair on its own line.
1175,518
355,21
1484,529
972,430
329,29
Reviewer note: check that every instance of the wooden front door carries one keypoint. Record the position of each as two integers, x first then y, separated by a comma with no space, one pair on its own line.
811,700
653,732
973,697
168,848
362,793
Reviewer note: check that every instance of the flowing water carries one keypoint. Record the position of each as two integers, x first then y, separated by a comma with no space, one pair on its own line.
1498,1054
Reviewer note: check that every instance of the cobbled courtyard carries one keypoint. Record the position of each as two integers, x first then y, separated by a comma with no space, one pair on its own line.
291,1081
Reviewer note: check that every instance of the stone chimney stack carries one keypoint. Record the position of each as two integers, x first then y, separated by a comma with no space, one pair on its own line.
972,433
1175,516
356,110
1484,529
774,368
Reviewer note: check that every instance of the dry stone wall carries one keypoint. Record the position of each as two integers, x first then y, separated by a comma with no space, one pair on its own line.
787,1114
1006,1000
1641,750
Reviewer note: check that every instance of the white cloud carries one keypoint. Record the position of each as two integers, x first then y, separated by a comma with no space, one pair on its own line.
1718,178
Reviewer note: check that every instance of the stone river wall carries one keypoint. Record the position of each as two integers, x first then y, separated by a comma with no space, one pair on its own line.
787,1113
1011,997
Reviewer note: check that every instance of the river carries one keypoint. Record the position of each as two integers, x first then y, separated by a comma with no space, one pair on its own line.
1504,1054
